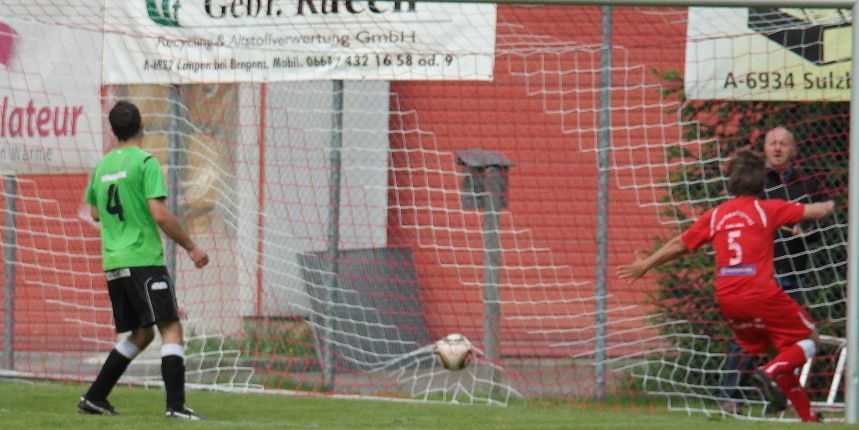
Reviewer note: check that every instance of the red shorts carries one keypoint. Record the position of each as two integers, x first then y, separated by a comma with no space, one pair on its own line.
777,320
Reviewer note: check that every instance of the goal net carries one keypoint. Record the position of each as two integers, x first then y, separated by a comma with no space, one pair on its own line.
351,223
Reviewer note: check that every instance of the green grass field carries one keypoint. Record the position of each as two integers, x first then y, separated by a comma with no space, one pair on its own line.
43,405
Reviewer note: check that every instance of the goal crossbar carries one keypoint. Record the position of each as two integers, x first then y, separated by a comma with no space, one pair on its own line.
822,4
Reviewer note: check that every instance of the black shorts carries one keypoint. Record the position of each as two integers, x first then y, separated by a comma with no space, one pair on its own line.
141,296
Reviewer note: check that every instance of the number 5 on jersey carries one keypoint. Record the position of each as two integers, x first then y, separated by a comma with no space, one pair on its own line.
733,246
114,205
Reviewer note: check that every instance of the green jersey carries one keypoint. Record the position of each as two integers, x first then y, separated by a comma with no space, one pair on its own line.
120,186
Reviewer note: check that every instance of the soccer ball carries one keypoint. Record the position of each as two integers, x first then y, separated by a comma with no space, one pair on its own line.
453,351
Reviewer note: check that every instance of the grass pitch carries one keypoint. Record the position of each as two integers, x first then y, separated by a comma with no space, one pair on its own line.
45,405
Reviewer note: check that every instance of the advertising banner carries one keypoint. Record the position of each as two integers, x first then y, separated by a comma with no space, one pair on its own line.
220,41
50,108
768,54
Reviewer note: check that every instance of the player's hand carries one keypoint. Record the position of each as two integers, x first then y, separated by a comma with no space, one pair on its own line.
199,257
632,271
796,230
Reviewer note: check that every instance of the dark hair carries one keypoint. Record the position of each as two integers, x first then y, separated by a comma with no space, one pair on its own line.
125,120
747,173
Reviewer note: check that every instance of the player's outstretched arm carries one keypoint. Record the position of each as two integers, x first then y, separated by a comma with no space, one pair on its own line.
171,227
671,250
815,211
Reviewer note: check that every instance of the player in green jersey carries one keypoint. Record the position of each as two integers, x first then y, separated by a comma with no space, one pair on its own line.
126,195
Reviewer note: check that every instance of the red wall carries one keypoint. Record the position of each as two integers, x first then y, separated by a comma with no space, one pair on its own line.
57,262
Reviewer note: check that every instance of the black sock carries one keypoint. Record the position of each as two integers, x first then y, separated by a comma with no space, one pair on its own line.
173,373
112,370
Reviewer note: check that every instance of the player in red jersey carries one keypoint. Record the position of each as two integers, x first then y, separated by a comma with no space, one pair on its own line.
763,317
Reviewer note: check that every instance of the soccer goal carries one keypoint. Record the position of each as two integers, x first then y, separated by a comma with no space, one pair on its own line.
370,177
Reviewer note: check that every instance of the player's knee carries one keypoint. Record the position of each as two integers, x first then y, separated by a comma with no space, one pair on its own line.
815,336
809,347
171,332
142,337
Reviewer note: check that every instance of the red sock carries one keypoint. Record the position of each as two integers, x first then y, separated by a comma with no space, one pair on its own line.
789,384
788,359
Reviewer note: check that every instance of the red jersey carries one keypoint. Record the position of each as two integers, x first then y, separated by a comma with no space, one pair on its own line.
742,231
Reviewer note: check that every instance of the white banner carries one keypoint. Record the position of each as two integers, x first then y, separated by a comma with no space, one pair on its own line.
218,41
50,108
768,54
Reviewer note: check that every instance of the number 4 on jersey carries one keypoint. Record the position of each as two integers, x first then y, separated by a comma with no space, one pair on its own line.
114,205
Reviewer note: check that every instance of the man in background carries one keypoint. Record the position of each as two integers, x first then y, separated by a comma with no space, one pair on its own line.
788,181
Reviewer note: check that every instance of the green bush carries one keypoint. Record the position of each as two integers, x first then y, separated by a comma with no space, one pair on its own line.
271,337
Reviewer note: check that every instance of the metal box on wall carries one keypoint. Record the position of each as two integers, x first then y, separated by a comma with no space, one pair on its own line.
485,182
